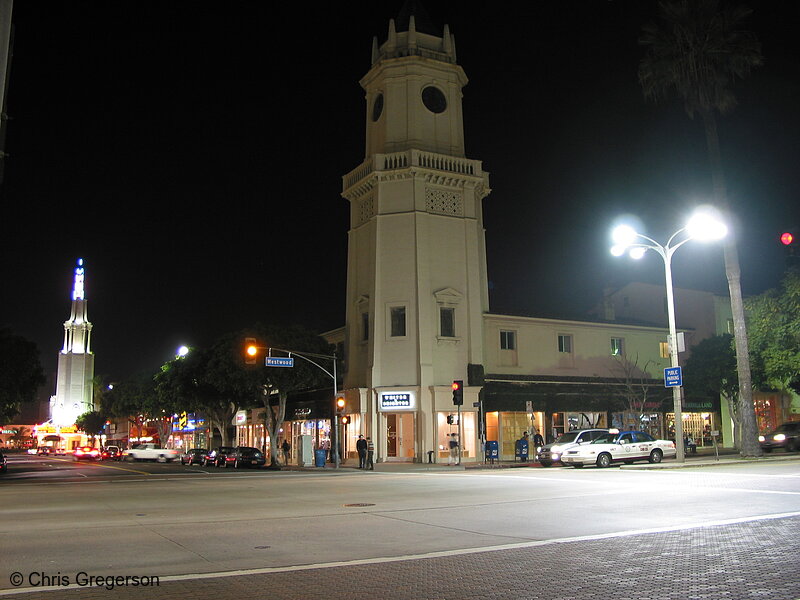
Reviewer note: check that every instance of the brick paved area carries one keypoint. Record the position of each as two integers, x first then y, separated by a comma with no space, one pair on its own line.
757,560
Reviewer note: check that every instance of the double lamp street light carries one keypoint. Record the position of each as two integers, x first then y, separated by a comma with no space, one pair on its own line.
703,226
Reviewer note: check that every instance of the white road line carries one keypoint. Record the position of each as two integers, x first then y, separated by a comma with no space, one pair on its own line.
428,555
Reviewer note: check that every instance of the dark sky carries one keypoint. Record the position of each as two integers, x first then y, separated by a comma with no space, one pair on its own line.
192,154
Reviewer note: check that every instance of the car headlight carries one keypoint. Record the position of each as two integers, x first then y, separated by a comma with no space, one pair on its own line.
779,437
761,438
555,456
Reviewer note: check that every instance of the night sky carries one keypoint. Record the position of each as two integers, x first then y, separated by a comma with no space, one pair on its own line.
192,154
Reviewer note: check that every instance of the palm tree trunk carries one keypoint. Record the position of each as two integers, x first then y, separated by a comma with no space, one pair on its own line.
747,412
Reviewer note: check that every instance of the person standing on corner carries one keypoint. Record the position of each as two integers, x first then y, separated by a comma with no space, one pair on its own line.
370,454
361,447
453,444
287,448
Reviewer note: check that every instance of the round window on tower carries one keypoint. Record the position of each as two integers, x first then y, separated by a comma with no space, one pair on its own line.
377,107
434,100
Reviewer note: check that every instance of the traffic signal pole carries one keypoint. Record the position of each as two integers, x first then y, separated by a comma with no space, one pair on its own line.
307,356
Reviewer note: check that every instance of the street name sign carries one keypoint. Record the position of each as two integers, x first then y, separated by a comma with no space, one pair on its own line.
673,377
280,361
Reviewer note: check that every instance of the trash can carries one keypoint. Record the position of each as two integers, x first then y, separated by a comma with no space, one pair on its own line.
319,457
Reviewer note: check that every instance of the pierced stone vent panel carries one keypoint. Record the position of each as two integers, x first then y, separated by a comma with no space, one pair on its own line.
366,209
444,202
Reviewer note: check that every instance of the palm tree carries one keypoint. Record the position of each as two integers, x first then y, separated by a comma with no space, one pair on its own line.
696,51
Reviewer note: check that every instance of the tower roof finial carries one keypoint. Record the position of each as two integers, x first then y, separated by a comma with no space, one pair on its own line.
77,288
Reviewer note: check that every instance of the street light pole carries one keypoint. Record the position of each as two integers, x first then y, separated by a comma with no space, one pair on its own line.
703,226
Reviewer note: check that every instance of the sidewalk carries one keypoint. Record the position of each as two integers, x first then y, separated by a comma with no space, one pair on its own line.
705,457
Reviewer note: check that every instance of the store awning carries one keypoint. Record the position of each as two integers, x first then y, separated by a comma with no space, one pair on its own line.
51,438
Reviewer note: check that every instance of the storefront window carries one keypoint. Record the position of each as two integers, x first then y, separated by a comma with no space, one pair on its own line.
468,433
513,424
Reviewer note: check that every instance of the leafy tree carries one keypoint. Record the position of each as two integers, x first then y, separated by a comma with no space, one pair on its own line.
92,423
210,381
273,385
696,51
21,373
138,400
773,319
20,435
710,371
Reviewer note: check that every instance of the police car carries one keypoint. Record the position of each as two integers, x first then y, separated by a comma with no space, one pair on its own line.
619,446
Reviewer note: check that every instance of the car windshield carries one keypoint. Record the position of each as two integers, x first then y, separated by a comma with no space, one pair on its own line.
567,438
607,438
787,427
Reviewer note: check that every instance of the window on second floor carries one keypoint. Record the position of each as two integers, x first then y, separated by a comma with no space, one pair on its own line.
398,321
617,346
447,321
508,340
364,326
565,344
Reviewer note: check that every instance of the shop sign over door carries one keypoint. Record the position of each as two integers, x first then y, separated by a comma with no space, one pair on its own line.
393,401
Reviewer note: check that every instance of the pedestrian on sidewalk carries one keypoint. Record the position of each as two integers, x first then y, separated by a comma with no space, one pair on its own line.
361,448
287,448
370,454
453,445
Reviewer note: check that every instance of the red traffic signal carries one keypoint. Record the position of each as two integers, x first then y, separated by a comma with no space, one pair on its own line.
458,392
787,238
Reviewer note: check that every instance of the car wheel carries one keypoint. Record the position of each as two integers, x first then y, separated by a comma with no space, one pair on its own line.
130,458
767,450
604,460
545,463
161,458
578,465
656,456
791,446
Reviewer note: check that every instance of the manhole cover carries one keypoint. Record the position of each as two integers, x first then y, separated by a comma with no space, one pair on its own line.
358,504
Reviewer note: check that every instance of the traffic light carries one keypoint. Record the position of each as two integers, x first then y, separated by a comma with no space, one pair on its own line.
250,351
449,419
787,238
458,392
340,405
791,246
344,419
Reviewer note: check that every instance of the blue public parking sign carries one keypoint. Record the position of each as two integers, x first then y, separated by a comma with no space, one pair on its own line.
673,377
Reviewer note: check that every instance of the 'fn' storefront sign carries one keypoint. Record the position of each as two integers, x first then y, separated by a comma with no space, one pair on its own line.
392,401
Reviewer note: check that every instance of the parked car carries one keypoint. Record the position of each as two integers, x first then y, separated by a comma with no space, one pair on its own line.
552,453
111,453
87,453
150,452
194,456
219,456
619,446
244,456
3,463
786,436
44,451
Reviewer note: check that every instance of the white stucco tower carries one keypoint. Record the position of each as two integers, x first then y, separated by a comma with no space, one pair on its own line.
416,276
74,392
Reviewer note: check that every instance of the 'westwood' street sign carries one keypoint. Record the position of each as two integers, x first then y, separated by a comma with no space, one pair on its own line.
280,361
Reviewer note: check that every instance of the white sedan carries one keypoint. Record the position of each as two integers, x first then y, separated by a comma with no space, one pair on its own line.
619,446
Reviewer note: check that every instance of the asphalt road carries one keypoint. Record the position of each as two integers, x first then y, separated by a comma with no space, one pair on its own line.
273,534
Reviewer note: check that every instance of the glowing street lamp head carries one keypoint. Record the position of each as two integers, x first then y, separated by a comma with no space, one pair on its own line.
183,351
624,235
706,225
637,253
